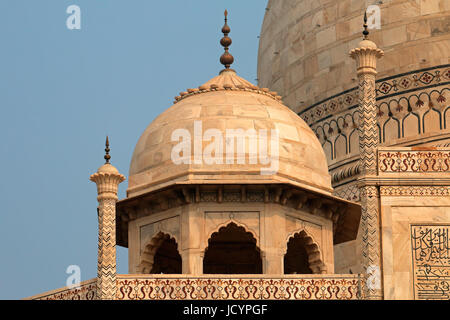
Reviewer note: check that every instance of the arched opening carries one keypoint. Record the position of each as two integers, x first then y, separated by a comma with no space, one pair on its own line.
296,257
232,250
161,256
167,260
302,256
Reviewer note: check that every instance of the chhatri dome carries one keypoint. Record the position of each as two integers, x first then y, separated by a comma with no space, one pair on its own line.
229,155
229,102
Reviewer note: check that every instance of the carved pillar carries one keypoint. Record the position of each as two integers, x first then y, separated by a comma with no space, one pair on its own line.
107,179
366,56
273,262
192,260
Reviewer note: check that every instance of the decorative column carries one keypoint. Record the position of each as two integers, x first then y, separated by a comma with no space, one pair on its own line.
192,261
107,179
366,56
273,261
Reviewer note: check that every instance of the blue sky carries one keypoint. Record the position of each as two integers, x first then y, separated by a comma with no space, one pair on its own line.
62,91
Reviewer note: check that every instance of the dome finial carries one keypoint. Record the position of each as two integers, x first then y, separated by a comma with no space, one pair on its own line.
226,58
107,156
365,32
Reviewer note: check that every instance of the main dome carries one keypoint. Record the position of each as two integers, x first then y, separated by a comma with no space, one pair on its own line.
304,44
227,102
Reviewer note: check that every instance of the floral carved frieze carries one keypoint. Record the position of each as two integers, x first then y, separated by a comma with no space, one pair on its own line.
413,161
182,287
334,288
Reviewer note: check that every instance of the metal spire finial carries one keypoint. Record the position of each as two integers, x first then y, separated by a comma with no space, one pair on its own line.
366,31
226,58
107,156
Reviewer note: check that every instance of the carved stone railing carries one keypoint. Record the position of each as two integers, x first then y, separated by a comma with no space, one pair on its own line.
86,291
413,161
241,287
220,287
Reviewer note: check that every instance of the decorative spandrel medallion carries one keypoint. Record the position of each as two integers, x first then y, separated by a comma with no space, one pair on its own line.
431,261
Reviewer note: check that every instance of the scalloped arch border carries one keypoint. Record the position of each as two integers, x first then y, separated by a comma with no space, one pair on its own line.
224,225
315,259
147,255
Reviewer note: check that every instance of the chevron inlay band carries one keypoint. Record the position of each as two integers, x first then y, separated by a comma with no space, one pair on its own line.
366,57
107,179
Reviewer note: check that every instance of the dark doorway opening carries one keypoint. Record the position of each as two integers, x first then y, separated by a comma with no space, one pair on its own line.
232,250
167,260
296,258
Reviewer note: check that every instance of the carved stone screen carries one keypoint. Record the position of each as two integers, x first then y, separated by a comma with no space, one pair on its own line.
431,261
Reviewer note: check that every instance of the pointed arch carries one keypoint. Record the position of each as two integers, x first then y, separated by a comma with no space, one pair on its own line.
217,228
299,244
328,150
410,125
391,129
431,121
340,146
232,250
160,255
353,144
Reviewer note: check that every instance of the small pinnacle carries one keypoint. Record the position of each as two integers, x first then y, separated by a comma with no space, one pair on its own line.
365,32
107,156
226,58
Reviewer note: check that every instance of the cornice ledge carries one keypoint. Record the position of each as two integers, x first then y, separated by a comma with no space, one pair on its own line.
402,181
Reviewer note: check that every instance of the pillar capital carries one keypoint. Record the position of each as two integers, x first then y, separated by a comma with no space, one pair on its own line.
107,179
366,56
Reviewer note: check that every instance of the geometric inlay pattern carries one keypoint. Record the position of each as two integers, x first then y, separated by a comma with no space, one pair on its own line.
106,271
414,191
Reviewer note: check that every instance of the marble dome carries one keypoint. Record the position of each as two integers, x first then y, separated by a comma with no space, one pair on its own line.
304,44
228,102
304,55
